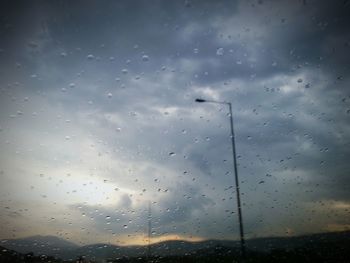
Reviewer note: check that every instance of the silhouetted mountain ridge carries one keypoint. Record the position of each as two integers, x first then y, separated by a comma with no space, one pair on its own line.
54,246
41,245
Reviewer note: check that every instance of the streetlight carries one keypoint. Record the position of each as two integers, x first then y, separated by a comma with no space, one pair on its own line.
235,170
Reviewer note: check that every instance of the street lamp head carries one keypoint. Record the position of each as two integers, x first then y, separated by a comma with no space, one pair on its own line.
200,100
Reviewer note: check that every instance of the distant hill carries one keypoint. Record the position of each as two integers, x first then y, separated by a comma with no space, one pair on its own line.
41,245
270,243
54,246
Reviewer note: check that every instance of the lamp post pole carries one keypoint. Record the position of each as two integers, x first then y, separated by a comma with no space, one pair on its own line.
239,207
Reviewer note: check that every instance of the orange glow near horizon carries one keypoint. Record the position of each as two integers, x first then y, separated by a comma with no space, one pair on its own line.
143,240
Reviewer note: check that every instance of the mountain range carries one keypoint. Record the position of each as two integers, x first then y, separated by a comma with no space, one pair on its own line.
60,248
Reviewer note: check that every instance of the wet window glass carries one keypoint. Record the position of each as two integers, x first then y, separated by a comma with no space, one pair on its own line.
174,131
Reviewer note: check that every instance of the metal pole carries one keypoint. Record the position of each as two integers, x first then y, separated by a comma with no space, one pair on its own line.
243,249
149,232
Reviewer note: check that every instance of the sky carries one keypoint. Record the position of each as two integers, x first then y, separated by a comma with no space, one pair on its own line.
98,119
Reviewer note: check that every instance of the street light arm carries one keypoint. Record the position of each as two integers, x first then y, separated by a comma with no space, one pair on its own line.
211,101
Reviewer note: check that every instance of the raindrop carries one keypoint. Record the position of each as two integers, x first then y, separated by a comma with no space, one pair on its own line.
172,154
108,217
109,95
261,182
124,71
67,138
90,57
195,51
145,58
72,85
220,51
300,80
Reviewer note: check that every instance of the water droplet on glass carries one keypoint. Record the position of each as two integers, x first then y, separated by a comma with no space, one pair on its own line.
300,80
90,57
145,58
124,71
172,154
220,51
108,217
109,95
